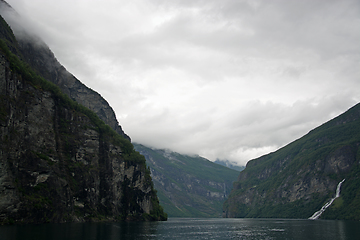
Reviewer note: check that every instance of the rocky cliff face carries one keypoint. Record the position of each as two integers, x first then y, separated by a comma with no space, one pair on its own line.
55,165
37,54
58,161
298,179
40,58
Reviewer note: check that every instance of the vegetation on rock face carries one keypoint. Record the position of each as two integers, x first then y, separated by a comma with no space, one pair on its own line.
188,186
296,180
347,206
59,161
38,82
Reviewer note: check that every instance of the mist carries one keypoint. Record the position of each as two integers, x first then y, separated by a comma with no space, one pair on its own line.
225,80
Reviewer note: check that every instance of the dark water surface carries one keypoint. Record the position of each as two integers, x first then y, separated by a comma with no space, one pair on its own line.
189,228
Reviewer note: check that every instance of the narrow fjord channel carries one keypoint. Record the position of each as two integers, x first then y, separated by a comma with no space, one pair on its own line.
189,228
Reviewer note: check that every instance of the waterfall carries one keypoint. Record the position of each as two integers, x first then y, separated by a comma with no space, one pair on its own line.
317,214
224,190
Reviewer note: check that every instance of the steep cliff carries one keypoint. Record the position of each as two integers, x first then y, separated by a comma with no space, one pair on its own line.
58,161
188,186
296,180
32,50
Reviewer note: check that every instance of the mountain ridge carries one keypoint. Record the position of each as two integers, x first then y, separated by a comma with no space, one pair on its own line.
229,164
296,180
35,52
188,186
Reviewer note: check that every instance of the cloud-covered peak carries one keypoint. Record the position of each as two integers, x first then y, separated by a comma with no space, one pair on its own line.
223,79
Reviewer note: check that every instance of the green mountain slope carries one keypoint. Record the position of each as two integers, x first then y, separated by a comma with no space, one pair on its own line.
188,186
296,180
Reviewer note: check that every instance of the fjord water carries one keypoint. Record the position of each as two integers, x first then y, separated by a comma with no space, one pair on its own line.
189,228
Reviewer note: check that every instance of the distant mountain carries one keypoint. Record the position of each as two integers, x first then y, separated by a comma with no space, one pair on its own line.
298,179
229,164
188,186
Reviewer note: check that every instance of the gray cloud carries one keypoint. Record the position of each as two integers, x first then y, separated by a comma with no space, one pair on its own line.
224,79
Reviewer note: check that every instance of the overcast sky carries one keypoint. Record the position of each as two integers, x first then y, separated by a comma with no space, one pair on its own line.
227,79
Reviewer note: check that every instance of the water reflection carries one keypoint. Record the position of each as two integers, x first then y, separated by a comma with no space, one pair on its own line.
80,231
178,228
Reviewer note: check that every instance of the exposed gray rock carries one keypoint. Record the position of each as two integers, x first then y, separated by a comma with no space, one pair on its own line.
57,166
38,55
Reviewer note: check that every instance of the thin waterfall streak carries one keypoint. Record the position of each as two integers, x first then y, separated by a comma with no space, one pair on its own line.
317,214
338,189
